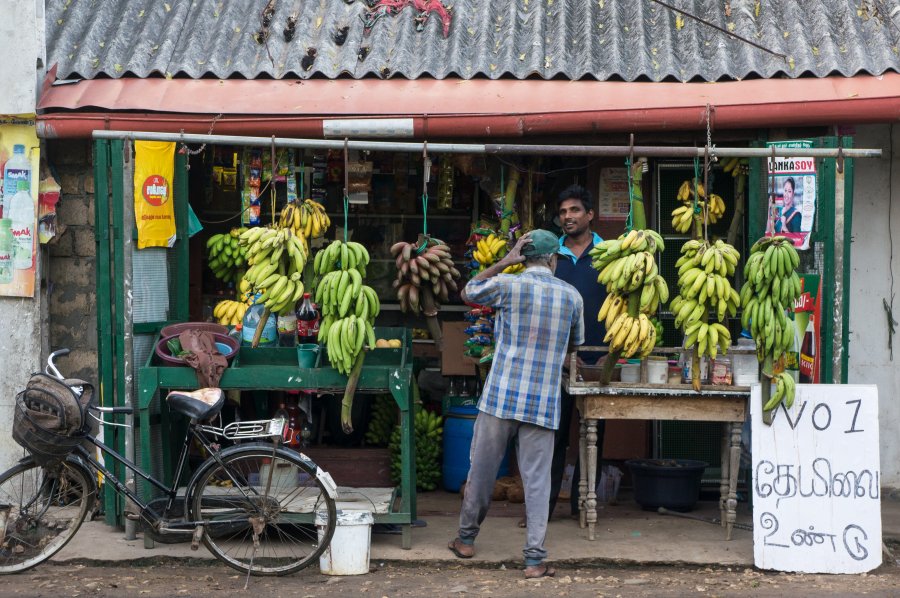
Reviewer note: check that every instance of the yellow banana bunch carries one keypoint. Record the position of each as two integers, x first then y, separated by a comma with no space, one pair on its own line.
627,266
682,215
228,312
631,336
424,266
276,257
704,288
514,269
307,218
227,257
772,287
736,166
489,250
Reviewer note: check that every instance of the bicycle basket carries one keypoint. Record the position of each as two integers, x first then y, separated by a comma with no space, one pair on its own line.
50,419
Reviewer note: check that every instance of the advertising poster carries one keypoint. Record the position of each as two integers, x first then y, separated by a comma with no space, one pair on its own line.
807,318
612,197
792,195
154,211
19,162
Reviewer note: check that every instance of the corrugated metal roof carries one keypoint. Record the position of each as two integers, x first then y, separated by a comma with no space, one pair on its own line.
571,39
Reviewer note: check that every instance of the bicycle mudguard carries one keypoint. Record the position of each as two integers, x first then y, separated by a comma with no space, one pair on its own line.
323,477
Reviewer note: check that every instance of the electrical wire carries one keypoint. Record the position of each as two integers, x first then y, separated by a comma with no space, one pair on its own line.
548,172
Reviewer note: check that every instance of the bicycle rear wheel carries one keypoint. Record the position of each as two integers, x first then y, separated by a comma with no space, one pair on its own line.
263,515
45,509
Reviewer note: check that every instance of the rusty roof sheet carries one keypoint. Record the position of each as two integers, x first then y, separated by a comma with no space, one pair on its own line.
637,40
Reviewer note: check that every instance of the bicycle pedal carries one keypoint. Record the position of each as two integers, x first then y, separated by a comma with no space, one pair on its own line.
197,537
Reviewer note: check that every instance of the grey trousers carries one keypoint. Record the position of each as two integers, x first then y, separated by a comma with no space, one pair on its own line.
535,454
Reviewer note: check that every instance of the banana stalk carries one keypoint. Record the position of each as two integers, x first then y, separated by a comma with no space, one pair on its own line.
509,201
429,310
768,373
638,222
259,327
347,401
738,218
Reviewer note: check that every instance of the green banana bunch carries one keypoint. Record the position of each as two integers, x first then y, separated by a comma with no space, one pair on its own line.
431,269
429,433
276,257
382,421
339,255
785,389
348,306
659,330
227,257
704,287
772,285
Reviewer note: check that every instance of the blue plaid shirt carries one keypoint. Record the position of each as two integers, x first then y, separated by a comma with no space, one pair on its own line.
536,315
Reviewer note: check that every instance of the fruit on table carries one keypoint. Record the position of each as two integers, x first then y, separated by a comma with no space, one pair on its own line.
229,313
392,343
429,432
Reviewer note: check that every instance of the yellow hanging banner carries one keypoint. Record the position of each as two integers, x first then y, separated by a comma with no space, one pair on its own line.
154,209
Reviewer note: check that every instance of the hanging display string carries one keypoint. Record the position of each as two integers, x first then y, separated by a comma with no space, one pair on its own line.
708,193
771,211
426,175
302,178
696,208
629,222
272,179
346,186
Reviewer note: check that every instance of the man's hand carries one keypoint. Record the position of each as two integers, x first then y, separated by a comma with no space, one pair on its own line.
515,254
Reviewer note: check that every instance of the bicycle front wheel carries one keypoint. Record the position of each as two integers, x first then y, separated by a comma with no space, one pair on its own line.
43,509
264,513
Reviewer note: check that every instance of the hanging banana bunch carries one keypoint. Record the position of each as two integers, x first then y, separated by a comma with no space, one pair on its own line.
276,257
770,291
703,271
307,219
424,269
736,166
348,306
227,257
682,216
627,267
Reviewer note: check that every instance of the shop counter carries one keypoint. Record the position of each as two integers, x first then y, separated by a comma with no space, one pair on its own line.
619,400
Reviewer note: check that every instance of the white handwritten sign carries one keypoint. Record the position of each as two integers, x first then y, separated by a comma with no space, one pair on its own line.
816,481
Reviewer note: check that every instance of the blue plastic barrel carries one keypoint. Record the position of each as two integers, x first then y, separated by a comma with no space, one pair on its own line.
459,425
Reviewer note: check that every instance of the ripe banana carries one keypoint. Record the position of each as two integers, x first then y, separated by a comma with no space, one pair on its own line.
229,313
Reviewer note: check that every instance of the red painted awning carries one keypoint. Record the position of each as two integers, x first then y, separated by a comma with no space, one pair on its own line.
459,108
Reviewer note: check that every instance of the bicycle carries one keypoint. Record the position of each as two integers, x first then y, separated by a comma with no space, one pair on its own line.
259,507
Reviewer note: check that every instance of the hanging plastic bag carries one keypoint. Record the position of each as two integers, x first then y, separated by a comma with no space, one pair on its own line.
154,209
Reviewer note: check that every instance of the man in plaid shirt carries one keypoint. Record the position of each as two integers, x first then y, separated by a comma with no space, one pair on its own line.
538,322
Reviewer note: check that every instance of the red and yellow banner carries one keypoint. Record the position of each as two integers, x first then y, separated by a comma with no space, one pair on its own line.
154,207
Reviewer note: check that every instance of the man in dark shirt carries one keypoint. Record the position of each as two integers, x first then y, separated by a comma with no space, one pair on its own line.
576,212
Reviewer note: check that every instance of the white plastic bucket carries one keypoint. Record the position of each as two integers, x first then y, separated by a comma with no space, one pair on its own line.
657,371
348,553
631,372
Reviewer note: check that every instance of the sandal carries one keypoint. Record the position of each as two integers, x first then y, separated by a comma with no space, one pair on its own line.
460,549
539,571
523,523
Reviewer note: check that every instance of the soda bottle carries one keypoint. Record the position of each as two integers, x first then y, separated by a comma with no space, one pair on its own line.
307,322
17,170
21,212
808,354
293,413
6,251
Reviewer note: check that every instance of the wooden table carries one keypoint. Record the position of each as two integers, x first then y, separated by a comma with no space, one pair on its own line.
617,400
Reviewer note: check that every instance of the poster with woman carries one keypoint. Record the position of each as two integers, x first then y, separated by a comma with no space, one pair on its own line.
792,195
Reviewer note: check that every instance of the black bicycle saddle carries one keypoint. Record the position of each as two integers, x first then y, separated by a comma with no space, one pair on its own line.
200,404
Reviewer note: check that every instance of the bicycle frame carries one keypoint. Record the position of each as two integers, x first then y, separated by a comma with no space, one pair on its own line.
195,431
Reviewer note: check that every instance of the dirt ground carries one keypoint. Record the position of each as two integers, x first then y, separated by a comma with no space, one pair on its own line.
174,579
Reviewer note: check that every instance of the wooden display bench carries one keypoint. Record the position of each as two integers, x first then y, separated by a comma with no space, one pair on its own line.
619,400
384,370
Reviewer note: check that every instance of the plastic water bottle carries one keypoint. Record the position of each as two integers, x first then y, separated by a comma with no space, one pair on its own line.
6,251
17,170
251,321
21,212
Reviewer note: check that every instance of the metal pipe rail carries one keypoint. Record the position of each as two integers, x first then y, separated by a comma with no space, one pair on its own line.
497,148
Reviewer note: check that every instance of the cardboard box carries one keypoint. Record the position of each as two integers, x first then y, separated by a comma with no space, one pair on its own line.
453,362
